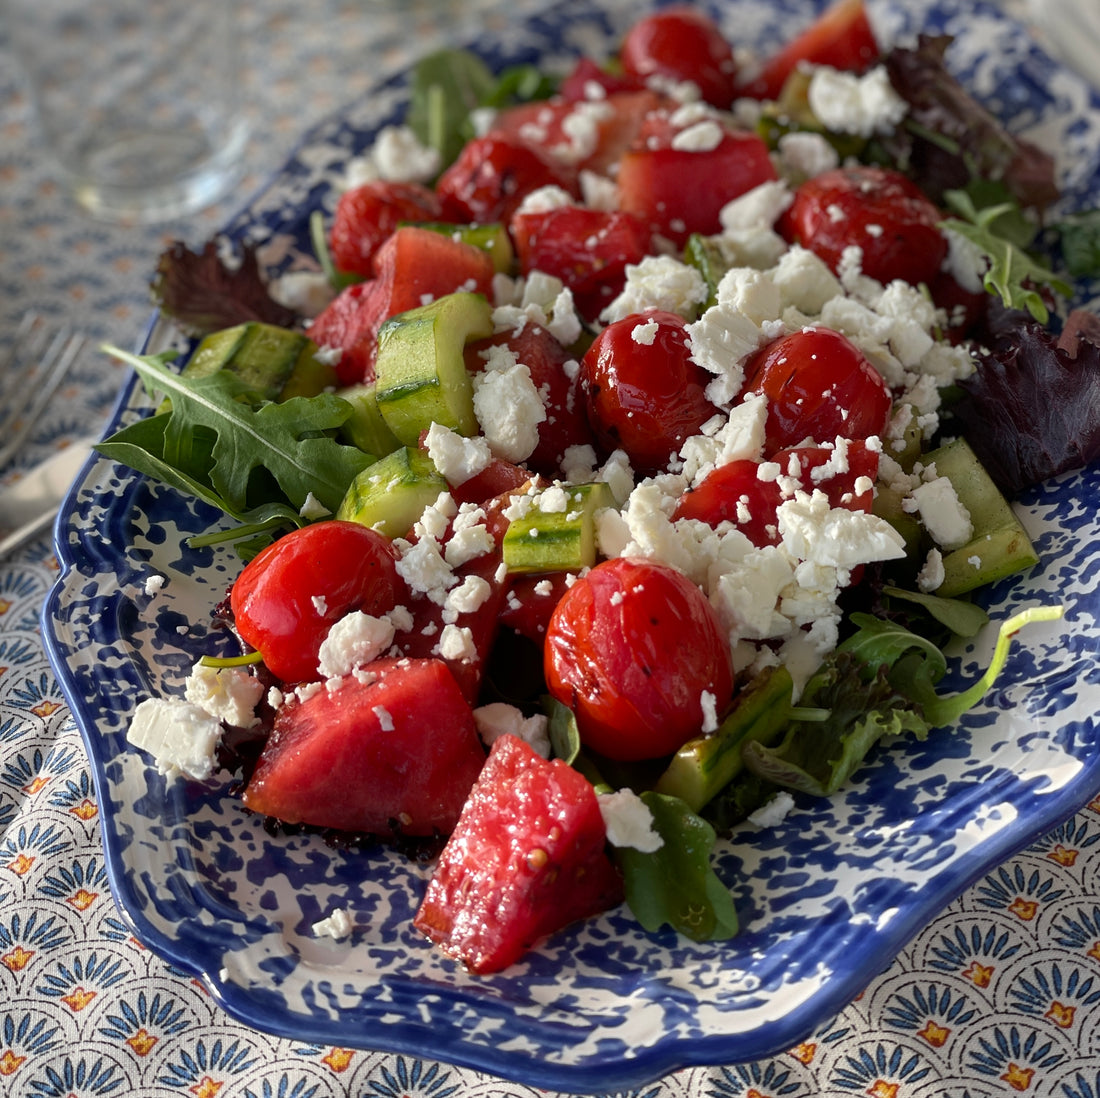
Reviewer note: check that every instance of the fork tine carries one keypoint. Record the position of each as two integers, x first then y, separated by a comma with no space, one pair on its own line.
34,391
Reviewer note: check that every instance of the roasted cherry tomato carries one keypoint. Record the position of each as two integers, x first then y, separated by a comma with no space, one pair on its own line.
294,591
880,211
632,648
367,215
820,387
492,176
642,391
682,44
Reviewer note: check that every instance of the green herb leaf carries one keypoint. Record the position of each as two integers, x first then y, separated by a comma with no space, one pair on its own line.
565,738
220,448
1010,267
675,884
1080,240
964,619
446,86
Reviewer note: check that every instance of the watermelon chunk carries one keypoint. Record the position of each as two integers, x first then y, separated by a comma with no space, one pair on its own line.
527,858
390,752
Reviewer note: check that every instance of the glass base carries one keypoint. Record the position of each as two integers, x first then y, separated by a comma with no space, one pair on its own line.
150,176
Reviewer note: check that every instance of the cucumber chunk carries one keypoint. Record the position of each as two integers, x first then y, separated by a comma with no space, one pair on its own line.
706,764
1000,545
390,495
420,373
562,538
268,359
365,427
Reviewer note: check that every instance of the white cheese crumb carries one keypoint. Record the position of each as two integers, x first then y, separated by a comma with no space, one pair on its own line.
629,821
354,641
943,514
313,509
181,737
498,719
457,458
228,694
385,717
847,103
338,925
774,812
154,583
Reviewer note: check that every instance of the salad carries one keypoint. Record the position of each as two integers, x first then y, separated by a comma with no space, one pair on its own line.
659,443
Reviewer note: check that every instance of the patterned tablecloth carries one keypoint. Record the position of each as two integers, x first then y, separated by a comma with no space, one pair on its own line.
1000,995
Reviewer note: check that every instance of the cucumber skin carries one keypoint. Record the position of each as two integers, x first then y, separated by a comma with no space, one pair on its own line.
703,766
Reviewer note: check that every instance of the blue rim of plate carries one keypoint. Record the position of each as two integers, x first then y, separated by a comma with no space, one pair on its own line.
827,898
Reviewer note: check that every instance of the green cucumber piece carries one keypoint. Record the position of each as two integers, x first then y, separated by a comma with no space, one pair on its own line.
706,764
559,540
420,373
390,495
705,255
1000,545
365,427
263,356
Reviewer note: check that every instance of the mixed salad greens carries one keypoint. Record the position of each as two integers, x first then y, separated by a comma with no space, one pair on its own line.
620,410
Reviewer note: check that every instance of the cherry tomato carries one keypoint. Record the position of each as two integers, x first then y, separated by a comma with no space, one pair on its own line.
643,393
681,44
367,215
492,176
735,493
820,387
631,648
294,591
877,209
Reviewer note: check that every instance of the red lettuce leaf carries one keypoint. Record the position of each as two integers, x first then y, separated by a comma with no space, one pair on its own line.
202,293
1032,409
950,138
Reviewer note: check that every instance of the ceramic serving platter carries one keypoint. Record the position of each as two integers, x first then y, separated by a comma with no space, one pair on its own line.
826,898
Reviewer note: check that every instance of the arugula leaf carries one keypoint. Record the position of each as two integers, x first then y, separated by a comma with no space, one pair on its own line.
940,711
203,294
1010,267
964,619
675,884
565,737
216,447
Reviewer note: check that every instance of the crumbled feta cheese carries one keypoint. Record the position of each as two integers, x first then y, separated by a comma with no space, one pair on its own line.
303,292
645,332
703,136
774,812
834,536
154,583
457,458
508,406
352,642
456,643
181,737
313,509
658,282
847,103
931,576
803,154
942,513
629,821
721,341
338,925
396,155
421,565
468,596
230,694
499,719
759,207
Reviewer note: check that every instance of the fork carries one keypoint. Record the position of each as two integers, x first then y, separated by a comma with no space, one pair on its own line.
31,372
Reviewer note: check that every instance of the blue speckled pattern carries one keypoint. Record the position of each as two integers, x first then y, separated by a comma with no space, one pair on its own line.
827,898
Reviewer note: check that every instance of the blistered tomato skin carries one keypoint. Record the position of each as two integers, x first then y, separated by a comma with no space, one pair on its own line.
681,44
819,387
290,595
631,648
642,391
878,210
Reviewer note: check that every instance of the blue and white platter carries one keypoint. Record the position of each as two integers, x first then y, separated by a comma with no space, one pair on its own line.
827,898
